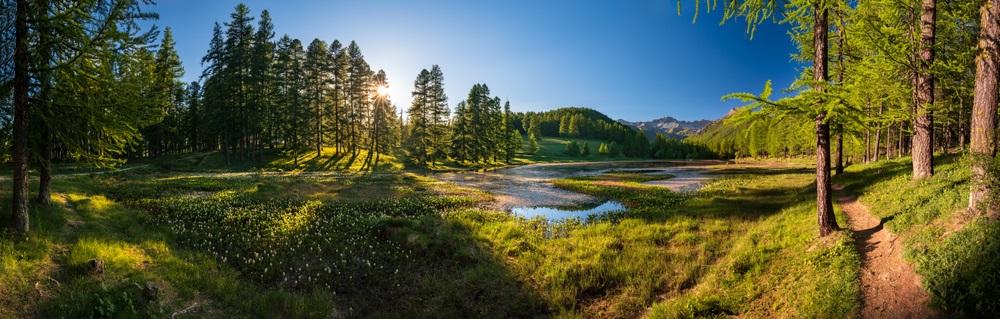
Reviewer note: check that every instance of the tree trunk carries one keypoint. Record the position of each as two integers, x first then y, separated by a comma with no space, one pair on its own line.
824,203
961,125
888,142
44,167
839,162
19,205
984,106
867,156
878,138
923,124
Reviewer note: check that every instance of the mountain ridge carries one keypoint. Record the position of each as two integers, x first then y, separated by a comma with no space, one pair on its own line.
668,126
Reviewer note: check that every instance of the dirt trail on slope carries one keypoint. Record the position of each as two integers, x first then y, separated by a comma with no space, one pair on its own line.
890,287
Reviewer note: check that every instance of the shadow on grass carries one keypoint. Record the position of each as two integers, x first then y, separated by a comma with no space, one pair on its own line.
381,257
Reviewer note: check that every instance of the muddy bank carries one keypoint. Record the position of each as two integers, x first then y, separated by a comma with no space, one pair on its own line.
531,185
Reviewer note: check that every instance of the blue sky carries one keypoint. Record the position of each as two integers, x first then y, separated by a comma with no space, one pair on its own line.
634,60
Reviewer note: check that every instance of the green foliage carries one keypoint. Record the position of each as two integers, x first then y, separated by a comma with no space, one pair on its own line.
954,253
574,122
572,149
532,144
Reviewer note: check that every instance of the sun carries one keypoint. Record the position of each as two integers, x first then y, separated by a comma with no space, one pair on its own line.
382,90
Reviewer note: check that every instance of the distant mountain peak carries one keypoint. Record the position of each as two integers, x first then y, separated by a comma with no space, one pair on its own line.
668,126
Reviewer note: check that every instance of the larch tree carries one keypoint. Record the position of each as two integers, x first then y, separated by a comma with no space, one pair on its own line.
316,71
419,137
923,124
437,115
982,137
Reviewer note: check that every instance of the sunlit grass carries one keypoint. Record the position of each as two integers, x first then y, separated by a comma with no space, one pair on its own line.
957,255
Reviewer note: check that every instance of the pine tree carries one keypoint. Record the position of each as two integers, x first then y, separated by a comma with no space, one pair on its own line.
236,79
263,108
418,144
342,98
437,111
335,104
317,79
511,136
359,99
984,109
572,149
462,134
533,143
382,128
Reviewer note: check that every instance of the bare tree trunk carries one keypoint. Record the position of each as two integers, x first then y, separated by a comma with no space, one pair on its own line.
44,167
923,124
878,137
45,138
824,203
984,106
901,147
888,142
839,167
961,124
19,205
867,156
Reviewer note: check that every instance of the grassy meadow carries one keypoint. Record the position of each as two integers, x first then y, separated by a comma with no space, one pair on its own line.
390,245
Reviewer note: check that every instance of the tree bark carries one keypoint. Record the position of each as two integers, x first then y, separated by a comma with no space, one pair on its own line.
19,205
839,167
923,124
961,124
44,167
888,142
45,104
824,203
878,137
984,107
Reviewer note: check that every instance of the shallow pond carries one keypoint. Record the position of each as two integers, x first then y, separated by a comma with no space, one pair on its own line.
563,213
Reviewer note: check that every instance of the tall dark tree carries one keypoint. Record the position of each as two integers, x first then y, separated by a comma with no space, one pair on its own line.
262,80
984,107
317,79
420,137
923,124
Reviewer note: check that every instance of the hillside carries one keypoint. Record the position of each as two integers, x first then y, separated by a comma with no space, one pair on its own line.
668,126
574,122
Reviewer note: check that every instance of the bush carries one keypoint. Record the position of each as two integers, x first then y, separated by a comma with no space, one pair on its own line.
572,149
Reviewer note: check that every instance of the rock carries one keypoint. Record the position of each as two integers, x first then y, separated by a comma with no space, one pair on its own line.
151,291
95,266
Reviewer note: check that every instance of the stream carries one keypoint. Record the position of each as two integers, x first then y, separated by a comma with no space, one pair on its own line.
527,190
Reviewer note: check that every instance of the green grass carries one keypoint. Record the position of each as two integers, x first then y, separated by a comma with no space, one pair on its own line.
957,255
403,245
552,149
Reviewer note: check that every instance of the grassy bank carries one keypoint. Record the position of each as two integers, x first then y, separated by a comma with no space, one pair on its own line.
957,255
402,245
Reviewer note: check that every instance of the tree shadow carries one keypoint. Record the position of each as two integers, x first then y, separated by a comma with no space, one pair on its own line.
418,262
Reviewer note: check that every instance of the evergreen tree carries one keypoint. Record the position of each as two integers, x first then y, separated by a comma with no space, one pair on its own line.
418,144
262,107
572,149
532,144
382,122
437,111
316,72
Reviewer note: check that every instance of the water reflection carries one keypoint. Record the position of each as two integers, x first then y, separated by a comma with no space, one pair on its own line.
562,213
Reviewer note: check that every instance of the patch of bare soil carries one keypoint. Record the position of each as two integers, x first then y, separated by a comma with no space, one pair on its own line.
889,285
531,185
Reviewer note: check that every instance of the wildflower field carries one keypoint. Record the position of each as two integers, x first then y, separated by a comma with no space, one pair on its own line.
401,244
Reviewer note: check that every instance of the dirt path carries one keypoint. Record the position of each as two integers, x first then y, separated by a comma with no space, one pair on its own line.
890,287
